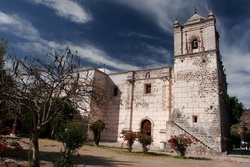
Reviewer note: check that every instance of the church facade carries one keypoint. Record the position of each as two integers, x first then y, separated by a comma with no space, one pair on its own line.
189,97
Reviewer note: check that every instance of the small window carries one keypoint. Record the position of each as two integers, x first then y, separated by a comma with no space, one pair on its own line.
148,88
115,91
194,118
195,44
147,76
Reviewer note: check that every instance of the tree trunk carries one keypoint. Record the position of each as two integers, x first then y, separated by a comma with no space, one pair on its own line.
13,132
35,150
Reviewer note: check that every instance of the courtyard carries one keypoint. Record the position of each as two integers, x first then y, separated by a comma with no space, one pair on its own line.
106,156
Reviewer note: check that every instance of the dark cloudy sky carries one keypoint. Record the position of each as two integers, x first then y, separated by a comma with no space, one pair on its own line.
126,34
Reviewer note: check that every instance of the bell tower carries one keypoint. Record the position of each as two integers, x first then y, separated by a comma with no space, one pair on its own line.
197,35
199,88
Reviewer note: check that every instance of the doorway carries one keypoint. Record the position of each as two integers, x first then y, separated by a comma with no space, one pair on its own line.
146,127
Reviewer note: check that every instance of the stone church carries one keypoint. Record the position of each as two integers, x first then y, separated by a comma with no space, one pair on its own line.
189,97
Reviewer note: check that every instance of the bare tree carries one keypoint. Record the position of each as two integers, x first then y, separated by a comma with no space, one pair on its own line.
39,81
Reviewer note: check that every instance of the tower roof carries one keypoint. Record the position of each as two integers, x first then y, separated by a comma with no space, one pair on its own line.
196,18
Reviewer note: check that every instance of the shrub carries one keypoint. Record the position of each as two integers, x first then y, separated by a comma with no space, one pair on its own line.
145,141
180,143
62,161
97,127
73,136
129,137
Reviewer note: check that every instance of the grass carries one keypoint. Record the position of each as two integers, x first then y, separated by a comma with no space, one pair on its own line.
161,154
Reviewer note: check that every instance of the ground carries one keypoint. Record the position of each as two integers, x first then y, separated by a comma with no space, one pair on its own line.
90,156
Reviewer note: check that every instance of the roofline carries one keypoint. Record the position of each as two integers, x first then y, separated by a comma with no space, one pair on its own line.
141,70
94,69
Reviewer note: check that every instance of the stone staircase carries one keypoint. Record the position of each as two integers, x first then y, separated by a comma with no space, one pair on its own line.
189,134
179,121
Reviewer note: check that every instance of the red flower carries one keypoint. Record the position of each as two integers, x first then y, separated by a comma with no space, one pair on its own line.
180,143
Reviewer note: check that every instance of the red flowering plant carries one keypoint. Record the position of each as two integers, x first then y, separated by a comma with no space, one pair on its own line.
3,145
145,140
7,144
129,137
180,143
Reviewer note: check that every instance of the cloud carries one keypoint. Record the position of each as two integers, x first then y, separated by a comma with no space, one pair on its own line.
238,73
152,58
136,34
164,12
36,44
19,27
159,51
97,56
68,9
236,58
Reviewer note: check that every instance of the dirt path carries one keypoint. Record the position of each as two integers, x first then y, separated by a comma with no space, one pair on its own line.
91,156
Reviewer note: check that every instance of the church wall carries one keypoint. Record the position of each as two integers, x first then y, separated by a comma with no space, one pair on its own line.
152,106
178,36
209,36
196,100
95,107
117,115
132,105
86,77
224,114
101,93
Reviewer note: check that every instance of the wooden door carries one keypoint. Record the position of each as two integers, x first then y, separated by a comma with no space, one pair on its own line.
146,127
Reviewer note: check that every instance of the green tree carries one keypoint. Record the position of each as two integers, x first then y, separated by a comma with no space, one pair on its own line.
236,109
66,114
3,50
6,86
97,127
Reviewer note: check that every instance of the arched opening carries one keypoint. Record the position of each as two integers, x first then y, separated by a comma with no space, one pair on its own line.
147,75
146,127
195,44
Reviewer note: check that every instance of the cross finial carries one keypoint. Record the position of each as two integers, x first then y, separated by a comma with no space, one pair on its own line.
195,11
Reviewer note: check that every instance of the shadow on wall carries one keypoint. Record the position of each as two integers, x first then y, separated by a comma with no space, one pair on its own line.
112,113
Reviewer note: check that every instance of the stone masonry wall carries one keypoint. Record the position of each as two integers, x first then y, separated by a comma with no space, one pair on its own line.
196,102
133,105
153,106
117,115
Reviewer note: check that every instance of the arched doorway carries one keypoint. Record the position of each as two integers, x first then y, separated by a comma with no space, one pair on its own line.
146,127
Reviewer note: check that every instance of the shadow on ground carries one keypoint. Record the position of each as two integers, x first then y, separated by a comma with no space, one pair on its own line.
240,152
48,156
100,161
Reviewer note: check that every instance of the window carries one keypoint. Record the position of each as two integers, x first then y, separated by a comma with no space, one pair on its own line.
115,91
147,76
148,88
195,44
194,118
